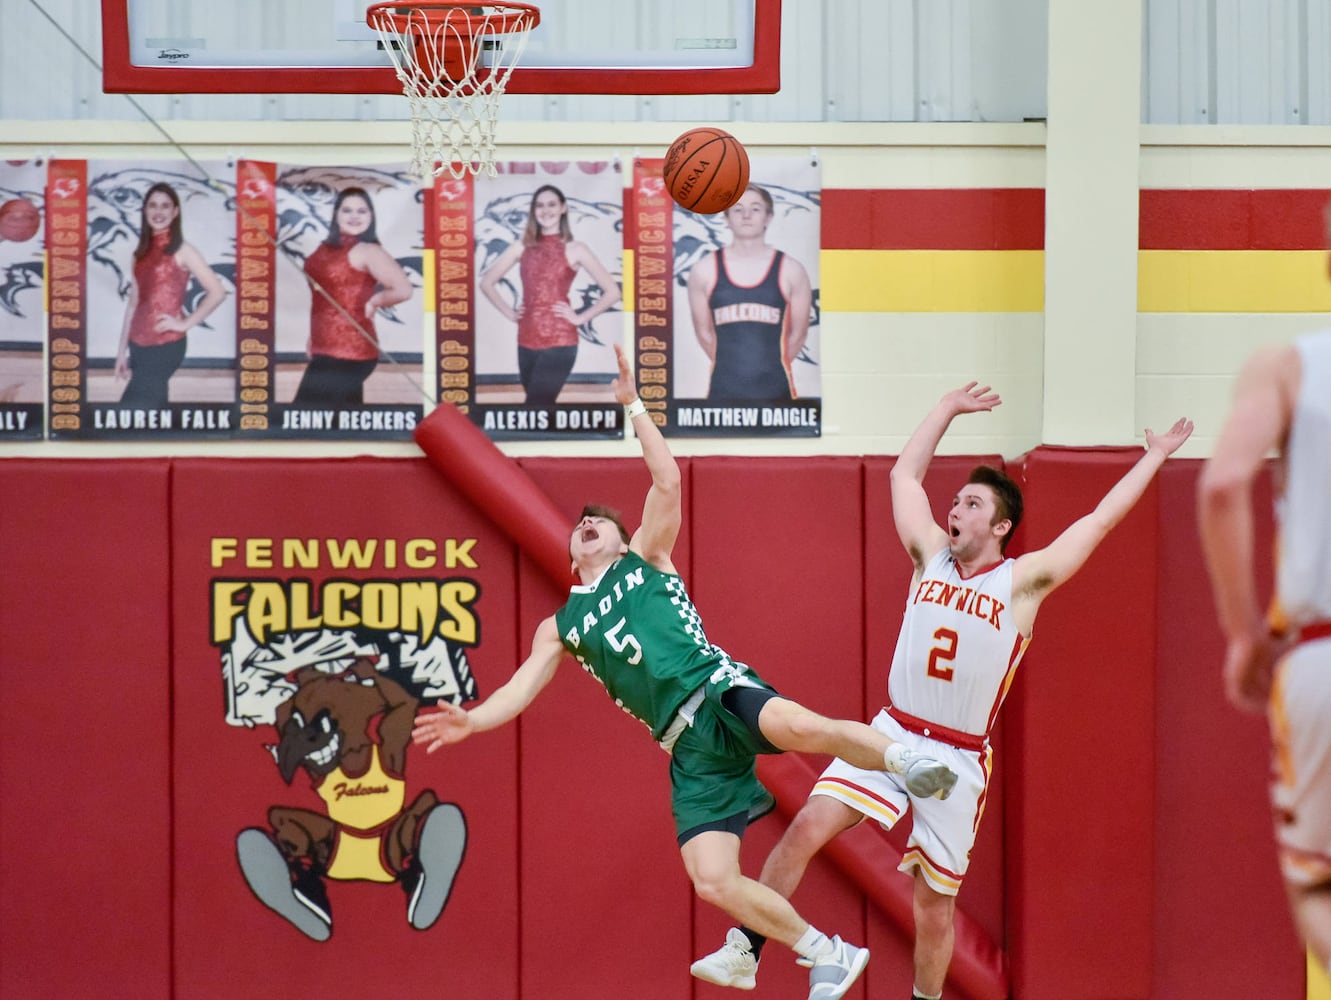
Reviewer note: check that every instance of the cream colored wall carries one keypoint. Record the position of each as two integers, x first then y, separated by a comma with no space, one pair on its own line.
1188,360
880,371
1090,236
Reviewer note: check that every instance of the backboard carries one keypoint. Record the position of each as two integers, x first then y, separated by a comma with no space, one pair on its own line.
325,47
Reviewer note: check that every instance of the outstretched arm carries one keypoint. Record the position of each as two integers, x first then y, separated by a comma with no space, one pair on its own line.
662,510
1038,573
1258,422
453,724
916,527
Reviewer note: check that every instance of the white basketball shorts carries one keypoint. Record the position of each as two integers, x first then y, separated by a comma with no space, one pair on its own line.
943,831
1300,711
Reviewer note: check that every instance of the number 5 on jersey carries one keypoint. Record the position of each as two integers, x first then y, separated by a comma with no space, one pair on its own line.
631,641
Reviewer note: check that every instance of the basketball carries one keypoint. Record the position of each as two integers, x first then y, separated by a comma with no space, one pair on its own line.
19,220
706,170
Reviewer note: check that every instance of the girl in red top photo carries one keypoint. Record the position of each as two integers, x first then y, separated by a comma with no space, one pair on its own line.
351,278
549,258
152,339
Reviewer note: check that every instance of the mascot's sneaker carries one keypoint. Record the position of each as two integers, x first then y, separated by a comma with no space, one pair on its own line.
832,975
304,903
429,880
925,776
732,964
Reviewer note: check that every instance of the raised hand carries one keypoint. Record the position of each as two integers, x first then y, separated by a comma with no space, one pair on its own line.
1170,441
972,398
433,730
624,387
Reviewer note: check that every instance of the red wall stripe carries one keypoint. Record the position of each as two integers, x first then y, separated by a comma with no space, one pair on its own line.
1231,220
933,219
1013,219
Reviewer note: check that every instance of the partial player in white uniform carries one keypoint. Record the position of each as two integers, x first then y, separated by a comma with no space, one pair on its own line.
969,616
1282,661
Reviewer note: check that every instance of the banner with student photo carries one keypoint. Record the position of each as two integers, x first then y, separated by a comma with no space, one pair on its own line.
22,280
726,306
332,346
142,337
546,299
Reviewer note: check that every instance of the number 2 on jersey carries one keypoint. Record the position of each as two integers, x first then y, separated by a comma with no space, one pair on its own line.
630,640
943,654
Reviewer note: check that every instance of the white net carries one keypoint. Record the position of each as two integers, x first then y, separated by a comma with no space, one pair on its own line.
453,61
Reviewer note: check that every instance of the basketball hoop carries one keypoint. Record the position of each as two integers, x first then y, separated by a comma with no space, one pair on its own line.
453,61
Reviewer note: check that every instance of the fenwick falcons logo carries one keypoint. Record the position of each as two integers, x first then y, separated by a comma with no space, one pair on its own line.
330,671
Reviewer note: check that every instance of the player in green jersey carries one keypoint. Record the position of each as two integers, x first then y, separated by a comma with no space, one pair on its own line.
630,623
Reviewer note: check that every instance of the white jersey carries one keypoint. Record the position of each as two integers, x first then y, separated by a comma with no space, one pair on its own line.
958,649
1303,578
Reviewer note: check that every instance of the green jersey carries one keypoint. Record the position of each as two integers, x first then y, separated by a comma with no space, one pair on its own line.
636,631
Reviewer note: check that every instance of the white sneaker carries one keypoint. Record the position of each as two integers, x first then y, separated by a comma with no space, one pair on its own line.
834,974
925,776
732,964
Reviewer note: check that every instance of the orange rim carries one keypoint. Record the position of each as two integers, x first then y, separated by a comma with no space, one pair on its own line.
508,18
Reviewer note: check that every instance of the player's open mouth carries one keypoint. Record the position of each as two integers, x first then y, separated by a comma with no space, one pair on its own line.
956,532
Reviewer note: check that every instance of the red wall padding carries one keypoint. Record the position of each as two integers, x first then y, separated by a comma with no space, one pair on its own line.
85,805
1080,747
1127,852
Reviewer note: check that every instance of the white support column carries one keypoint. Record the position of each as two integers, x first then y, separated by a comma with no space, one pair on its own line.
1091,185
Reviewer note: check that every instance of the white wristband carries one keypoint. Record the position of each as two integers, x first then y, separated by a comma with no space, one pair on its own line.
635,408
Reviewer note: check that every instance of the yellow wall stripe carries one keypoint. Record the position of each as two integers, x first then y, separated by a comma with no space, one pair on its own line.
1168,281
1319,985
932,280
1232,281
919,280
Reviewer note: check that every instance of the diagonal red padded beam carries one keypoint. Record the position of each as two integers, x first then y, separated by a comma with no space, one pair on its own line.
979,967
498,487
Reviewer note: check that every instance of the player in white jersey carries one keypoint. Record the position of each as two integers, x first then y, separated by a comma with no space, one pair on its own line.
1282,661
969,615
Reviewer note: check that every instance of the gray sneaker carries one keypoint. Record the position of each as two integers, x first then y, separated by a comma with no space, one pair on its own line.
304,903
834,974
443,841
732,964
926,776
